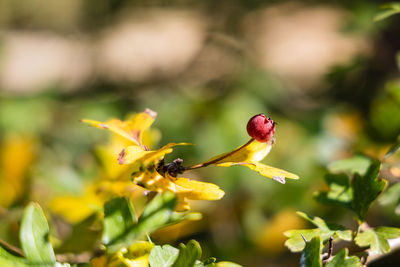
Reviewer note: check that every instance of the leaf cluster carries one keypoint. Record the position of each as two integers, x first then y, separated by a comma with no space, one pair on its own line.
354,184
122,238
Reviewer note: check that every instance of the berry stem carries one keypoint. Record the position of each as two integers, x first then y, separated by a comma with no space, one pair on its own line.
205,164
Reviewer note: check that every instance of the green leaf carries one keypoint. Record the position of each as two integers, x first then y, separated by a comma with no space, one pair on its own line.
9,260
157,214
376,239
366,189
163,256
210,261
328,229
311,256
391,9
34,236
188,254
295,241
340,192
84,236
356,164
341,259
393,150
119,218
392,196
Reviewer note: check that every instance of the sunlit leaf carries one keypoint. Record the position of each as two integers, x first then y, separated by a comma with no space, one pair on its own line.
163,256
253,152
131,129
271,172
153,181
311,256
325,230
366,189
328,229
119,218
376,239
340,191
133,154
356,164
74,209
341,259
16,156
137,255
295,241
34,236
265,170
249,155
199,190
157,214
188,254
390,10
9,260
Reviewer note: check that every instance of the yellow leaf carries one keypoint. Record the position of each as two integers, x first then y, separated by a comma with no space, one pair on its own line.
265,170
99,261
76,208
249,155
133,154
108,189
255,151
16,156
200,190
131,129
109,162
142,261
153,181
141,248
182,204
137,255
270,236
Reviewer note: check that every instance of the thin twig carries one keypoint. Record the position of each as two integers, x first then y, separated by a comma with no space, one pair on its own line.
330,251
205,164
11,247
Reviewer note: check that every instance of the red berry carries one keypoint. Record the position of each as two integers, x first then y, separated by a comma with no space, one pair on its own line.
261,128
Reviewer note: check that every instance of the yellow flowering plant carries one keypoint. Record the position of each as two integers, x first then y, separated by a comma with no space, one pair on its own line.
131,169
153,174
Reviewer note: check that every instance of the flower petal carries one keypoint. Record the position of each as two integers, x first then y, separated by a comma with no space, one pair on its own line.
131,129
265,170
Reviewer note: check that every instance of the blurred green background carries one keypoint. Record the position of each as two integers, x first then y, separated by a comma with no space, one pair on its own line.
323,70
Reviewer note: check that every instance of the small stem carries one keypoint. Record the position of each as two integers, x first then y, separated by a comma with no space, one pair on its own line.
11,247
330,251
205,164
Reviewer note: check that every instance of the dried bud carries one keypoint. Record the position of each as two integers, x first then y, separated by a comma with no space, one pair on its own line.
261,128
